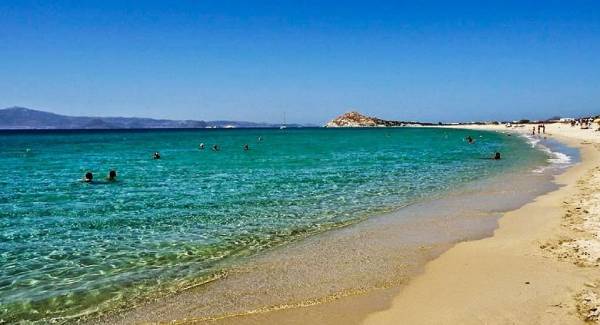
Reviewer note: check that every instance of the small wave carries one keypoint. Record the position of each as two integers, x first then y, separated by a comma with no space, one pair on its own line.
533,141
555,158
560,158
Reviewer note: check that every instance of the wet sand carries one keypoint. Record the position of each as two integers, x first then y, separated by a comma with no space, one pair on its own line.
540,267
353,270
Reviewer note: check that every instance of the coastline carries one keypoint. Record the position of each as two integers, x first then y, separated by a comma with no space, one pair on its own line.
362,241
510,276
533,270
351,309
388,249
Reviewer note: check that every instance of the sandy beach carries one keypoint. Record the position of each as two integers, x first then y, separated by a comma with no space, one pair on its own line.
540,267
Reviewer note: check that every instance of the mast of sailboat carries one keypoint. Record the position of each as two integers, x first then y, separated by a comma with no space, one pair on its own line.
283,126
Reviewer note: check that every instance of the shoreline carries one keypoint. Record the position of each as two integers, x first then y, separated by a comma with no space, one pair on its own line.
350,309
510,276
454,292
528,272
376,241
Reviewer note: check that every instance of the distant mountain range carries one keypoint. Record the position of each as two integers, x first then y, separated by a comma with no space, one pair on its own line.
356,119
18,118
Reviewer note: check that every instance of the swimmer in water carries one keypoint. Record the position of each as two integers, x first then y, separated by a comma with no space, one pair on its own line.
259,139
246,147
112,175
201,146
88,177
496,156
215,148
156,155
470,139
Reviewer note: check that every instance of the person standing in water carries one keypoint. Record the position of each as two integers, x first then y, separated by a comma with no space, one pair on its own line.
201,146
112,175
246,147
88,178
215,148
533,131
156,155
470,139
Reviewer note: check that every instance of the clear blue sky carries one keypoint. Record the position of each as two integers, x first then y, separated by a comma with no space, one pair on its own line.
252,60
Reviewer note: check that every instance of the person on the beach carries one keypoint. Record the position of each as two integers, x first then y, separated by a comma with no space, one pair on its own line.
533,131
246,147
544,128
201,146
215,148
156,155
112,175
88,177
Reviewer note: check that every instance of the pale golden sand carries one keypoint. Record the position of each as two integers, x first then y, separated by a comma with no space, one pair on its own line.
540,267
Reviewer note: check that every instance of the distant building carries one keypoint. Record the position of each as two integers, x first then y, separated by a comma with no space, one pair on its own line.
566,119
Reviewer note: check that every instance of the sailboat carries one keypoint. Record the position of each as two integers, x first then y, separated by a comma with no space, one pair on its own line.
283,126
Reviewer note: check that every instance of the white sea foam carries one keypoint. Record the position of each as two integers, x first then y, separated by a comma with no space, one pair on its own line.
555,158
560,158
533,141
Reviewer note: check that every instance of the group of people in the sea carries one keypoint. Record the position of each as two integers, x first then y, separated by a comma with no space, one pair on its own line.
111,177
201,146
216,147
496,156
112,174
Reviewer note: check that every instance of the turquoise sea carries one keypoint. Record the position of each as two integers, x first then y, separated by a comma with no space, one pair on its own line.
69,248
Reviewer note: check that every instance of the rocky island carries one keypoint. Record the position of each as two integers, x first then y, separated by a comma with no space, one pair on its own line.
355,120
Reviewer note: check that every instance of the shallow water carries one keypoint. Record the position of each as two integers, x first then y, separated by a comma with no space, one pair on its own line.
68,248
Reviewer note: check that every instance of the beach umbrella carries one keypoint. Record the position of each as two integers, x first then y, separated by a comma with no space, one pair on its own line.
597,120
